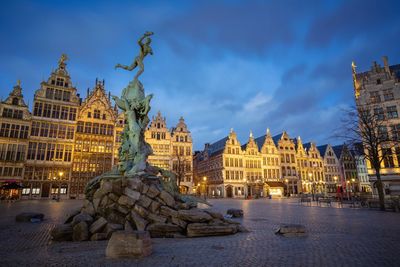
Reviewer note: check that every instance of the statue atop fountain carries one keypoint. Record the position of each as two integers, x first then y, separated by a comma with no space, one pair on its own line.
134,149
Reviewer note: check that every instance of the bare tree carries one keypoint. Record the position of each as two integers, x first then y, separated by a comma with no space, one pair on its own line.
179,166
362,126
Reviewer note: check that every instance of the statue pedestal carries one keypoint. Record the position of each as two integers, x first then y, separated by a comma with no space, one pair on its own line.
146,202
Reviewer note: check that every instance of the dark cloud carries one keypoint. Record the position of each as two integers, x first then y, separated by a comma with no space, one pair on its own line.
354,19
246,27
220,64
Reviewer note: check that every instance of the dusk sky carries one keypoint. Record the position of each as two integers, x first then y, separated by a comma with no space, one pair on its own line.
246,65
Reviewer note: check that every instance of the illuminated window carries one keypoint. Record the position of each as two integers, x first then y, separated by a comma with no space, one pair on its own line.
96,114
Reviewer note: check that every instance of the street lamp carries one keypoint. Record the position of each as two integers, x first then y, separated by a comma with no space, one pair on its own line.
312,185
205,187
347,189
59,185
335,179
245,188
199,188
352,185
287,186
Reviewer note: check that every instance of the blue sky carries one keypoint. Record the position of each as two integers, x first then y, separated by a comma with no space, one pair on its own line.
246,65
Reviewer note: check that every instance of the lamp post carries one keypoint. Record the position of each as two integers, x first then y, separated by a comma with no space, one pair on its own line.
287,187
205,187
312,185
347,189
335,179
59,185
245,188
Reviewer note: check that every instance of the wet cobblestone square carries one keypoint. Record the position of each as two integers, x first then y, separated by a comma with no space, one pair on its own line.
335,237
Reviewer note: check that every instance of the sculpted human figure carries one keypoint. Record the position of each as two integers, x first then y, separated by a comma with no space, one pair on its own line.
145,49
134,150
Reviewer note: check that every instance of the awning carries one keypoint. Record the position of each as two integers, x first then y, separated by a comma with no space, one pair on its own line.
11,186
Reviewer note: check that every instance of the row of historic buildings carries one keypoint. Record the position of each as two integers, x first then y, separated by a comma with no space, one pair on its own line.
276,165
65,141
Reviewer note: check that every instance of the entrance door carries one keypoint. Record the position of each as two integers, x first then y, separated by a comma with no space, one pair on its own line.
45,190
229,191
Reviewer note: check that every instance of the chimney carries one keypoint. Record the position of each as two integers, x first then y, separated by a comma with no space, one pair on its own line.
386,64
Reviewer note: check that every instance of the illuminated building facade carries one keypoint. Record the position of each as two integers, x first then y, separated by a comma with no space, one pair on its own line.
333,175
94,139
172,149
50,148
348,169
65,142
15,125
263,166
379,90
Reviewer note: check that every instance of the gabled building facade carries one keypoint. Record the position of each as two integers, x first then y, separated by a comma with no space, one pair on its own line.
332,167
172,149
65,142
94,144
263,166
49,158
15,125
379,91
348,169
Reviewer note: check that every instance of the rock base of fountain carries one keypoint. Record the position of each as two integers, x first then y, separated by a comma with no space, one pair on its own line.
116,203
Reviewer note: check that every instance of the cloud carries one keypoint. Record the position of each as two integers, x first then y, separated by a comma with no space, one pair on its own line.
220,64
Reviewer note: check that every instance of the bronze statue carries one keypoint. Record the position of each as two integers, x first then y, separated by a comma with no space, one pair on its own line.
134,149
145,49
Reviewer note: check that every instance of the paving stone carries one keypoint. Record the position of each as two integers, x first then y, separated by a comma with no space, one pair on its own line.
335,237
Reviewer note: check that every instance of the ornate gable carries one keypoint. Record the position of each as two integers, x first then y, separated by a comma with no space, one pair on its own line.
232,142
59,86
98,101
300,149
251,147
16,98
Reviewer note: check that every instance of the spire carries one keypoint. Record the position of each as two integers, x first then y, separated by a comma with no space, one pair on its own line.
231,131
355,82
181,119
268,132
386,64
19,83
251,134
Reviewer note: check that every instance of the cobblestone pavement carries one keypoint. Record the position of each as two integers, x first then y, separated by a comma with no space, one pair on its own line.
336,237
